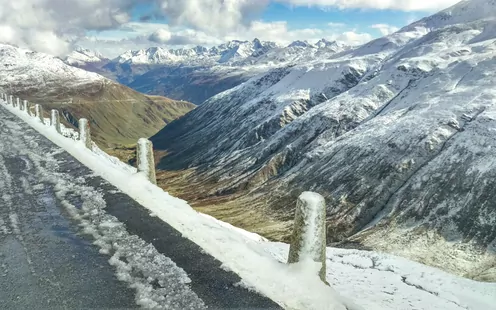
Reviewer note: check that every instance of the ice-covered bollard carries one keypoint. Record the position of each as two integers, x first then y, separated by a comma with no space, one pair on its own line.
38,110
145,160
25,107
55,120
85,133
308,241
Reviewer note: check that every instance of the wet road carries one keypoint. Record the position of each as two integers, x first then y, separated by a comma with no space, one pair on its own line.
68,239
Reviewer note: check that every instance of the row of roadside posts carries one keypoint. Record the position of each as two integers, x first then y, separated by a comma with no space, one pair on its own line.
308,241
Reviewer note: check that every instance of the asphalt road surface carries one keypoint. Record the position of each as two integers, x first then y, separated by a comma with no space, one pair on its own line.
69,239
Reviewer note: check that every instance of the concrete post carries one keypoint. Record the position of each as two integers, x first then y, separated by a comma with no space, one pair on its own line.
26,106
308,241
85,133
11,100
19,103
145,159
55,120
38,110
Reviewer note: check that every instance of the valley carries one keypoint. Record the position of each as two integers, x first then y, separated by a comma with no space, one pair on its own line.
395,133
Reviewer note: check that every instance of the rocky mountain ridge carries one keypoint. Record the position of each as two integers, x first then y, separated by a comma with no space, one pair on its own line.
397,134
196,74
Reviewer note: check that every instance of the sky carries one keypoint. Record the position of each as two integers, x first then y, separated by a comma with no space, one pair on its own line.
114,26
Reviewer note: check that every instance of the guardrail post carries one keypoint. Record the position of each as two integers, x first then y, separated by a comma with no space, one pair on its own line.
85,133
145,159
19,105
11,100
55,120
38,111
308,241
26,106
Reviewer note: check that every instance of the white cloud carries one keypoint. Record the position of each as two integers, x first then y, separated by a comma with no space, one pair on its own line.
402,5
46,25
217,16
385,29
336,25
160,36
354,38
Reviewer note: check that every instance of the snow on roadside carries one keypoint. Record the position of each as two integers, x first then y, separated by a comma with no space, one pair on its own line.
289,286
158,282
372,280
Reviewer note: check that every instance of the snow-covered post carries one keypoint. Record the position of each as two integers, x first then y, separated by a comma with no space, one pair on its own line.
38,110
145,160
308,242
11,100
85,132
25,106
55,120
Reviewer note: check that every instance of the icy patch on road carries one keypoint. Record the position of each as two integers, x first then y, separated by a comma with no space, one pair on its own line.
158,282
3,227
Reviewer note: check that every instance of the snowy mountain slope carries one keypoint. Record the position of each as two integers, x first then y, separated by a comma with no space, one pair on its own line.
198,73
118,114
395,133
81,56
27,70
150,56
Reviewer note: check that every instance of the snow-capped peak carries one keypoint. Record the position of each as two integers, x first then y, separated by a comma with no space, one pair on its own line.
24,69
323,43
299,43
152,55
83,56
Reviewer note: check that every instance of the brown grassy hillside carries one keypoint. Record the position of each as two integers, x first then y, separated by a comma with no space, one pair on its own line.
118,115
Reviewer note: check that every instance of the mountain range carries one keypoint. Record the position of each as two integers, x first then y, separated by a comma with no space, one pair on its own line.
397,134
198,73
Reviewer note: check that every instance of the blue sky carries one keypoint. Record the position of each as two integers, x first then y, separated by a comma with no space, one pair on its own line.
302,17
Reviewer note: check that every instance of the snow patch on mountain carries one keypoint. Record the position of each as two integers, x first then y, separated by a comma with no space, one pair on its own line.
81,56
25,70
